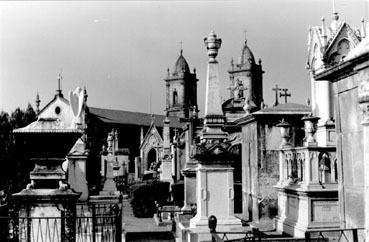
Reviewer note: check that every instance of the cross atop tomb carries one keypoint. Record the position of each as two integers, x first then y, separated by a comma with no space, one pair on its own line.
276,90
285,94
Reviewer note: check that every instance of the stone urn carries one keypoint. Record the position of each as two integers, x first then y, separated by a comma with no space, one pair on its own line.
285,131
310,127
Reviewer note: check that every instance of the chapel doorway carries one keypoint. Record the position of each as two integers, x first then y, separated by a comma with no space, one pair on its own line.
151,159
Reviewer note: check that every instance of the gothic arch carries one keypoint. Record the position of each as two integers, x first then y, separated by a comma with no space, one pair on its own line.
151,148
342,49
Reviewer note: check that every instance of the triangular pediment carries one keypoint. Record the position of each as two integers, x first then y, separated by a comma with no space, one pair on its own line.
58,108
343,41
152,138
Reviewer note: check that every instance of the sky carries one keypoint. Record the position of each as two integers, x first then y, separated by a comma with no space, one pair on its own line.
120,50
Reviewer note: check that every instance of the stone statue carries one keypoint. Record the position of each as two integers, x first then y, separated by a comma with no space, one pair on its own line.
76,102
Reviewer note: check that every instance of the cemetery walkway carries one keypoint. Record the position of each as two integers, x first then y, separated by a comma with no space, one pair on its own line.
143,229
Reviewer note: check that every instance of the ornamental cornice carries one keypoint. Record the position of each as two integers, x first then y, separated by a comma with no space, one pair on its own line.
218,153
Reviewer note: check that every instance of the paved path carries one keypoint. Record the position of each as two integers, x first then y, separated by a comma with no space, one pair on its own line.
141,228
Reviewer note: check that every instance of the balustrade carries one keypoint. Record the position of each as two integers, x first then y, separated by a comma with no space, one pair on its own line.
308,165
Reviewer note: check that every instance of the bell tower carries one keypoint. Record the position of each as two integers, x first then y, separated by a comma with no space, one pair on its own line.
181,89
246,78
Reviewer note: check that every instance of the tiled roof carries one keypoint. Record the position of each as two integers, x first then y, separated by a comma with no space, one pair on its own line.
134,118
286,108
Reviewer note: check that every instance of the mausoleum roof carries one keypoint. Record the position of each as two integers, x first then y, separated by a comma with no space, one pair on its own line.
133,118
285,108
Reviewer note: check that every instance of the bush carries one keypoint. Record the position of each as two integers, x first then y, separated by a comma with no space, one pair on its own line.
178,194
145,195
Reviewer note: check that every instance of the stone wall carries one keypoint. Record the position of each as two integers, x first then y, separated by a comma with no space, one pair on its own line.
349,145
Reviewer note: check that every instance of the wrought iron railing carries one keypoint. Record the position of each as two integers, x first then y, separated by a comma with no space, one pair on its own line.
93,223
338,235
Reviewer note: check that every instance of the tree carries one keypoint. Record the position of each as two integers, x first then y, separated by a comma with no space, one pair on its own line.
15,168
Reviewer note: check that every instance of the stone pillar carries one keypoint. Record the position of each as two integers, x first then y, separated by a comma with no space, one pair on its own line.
166,163
137,168
214,174
77,169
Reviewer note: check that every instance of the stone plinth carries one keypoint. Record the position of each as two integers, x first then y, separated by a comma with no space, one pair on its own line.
307,190
189,188
47,209
109,187
77,169
326,134
215,195
166,171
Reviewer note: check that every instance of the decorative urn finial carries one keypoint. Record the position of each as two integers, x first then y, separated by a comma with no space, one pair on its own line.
285,130
212,44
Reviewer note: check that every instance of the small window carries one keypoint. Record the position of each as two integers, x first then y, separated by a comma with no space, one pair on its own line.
57,110
175,97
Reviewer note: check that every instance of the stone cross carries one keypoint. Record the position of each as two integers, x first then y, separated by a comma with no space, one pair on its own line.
285,94
237,89
59,83
276,90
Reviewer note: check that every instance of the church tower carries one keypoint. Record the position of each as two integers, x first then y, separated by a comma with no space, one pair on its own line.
246,84
181,89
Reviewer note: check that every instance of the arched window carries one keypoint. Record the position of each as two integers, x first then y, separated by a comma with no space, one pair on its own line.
175,97
151,159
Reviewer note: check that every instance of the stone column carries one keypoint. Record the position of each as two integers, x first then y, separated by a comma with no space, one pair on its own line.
322,107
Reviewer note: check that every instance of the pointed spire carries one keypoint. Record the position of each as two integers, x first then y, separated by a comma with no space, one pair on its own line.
324,33
245,36
362,31
335,18
334,14
37,103
181,43
142,135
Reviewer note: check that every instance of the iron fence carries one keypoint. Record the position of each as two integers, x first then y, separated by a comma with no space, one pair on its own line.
92,223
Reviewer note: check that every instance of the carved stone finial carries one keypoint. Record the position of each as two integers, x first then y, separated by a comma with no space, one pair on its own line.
285,130
37,103
362,31
212,44
310,126
262,104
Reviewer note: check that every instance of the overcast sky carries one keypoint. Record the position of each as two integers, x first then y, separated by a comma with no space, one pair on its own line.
120,50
